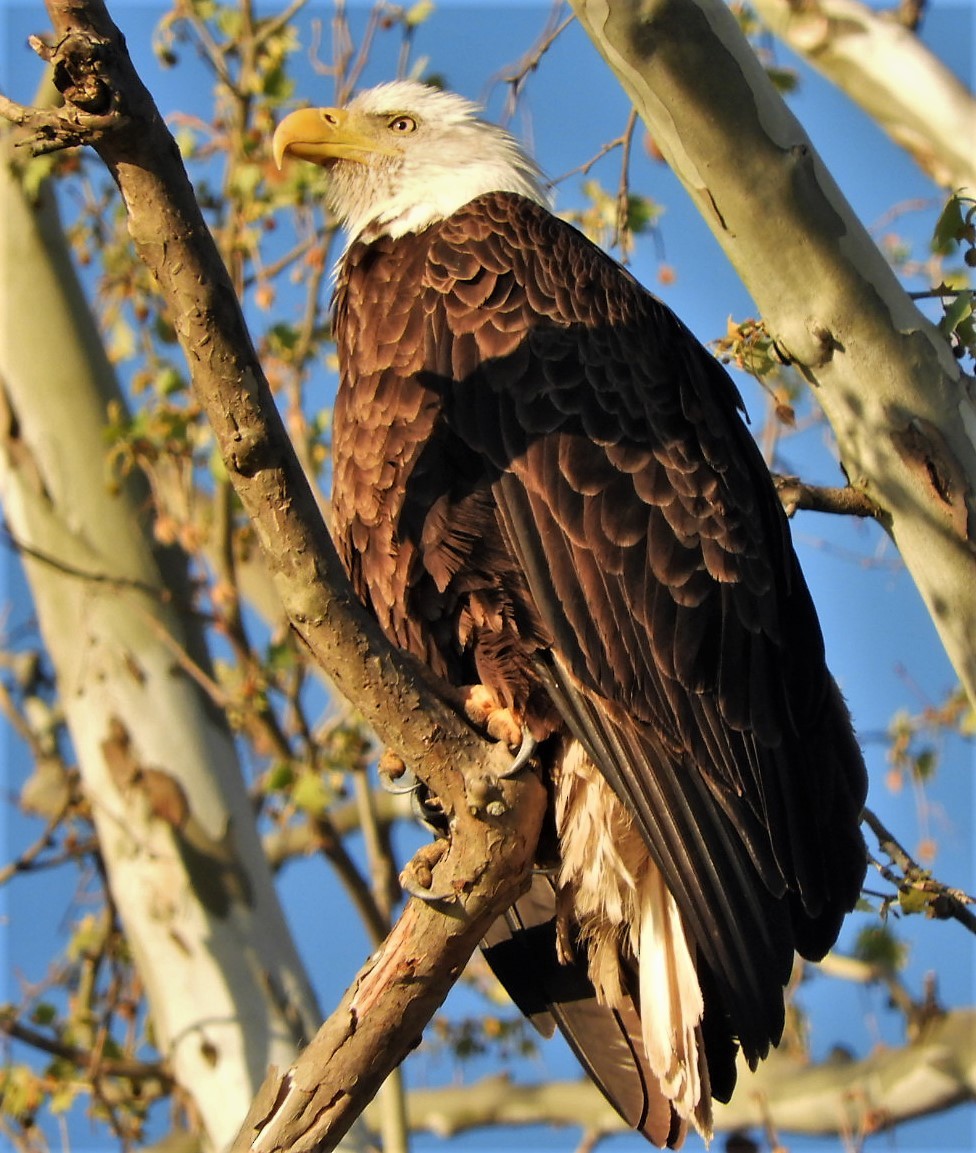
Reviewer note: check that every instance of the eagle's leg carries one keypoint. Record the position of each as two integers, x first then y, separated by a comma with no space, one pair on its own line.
483,710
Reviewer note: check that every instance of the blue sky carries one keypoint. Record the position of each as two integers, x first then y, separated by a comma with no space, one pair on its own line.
874,623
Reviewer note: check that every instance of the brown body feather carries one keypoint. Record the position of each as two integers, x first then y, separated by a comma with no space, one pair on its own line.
543,484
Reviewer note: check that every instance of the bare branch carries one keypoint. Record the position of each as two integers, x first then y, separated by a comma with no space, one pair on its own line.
29,857
84,1059
843,500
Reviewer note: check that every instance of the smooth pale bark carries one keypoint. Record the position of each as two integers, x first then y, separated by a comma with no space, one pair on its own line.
227,990
886,69
789,1095
903,413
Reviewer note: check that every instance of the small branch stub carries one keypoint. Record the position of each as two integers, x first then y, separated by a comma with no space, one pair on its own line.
795,494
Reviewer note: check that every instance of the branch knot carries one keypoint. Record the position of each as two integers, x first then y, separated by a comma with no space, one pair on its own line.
80,61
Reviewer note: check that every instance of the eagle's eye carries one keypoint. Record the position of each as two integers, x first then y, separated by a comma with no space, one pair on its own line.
403,125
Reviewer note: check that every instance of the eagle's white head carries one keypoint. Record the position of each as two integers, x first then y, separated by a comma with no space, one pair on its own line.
403,155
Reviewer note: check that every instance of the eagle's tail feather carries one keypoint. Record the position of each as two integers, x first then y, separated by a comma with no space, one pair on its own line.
522,950
631,923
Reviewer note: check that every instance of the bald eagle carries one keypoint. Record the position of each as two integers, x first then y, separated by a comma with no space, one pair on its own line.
543,488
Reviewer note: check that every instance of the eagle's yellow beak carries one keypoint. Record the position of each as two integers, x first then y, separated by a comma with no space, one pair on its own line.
325,135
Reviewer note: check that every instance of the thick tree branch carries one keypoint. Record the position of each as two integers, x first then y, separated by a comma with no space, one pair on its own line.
885,68
495,824
836,1097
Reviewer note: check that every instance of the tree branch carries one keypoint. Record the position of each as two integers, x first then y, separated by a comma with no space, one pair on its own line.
885,68
834,1097
494,822
937,899
96,1065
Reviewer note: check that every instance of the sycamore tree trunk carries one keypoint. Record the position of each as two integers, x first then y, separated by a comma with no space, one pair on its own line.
902,411
227,991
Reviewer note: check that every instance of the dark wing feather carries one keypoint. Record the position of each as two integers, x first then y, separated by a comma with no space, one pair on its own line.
687,655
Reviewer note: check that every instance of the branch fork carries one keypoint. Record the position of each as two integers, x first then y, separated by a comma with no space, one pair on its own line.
82,62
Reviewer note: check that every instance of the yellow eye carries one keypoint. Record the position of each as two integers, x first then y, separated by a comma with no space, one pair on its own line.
403,125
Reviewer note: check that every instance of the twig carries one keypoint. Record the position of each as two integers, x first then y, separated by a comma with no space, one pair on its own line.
944,903
274,25
85,1059
622,228
75,571
531,60
52,131
26,861
375,919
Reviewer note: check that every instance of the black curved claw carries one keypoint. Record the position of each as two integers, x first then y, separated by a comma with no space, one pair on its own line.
526,751
412,886
417,877
429,811
405,783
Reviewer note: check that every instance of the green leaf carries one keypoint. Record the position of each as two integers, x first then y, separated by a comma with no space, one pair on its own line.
914,900
88,938
956,311
311,794
784,79
924,764
949,227
276,85
418,13
20,1091
121,341
43,1013
246,179
642,213
63,1097
186,141
169,382
34,173
878,945
280,776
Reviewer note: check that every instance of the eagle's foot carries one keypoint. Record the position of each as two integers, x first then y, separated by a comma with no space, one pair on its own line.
417,878
482,709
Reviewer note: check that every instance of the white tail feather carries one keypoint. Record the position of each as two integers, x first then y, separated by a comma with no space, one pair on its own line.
625,914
